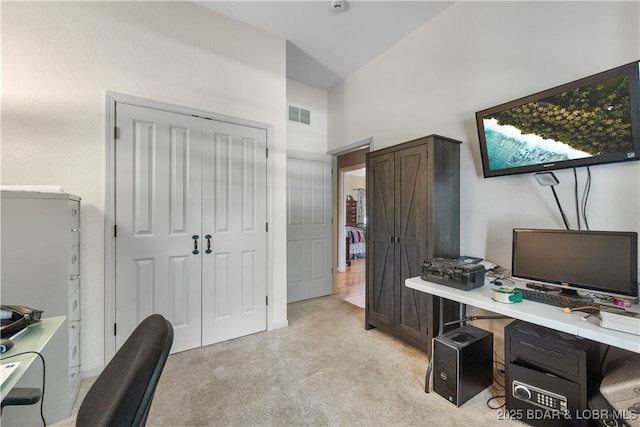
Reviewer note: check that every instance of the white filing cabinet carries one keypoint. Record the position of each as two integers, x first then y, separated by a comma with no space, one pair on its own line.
41,269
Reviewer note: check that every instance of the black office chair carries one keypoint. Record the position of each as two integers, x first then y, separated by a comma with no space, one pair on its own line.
122,393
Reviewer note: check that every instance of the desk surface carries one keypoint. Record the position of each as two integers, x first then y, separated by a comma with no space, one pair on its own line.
575,323
33,340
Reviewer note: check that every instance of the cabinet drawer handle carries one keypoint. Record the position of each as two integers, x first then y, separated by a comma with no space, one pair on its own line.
73,353
75,230
76,277
75,305
74,258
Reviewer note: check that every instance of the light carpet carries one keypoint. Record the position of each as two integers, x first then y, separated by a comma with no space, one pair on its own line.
324,369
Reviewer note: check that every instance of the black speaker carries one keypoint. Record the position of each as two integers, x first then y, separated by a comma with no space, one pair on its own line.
462,363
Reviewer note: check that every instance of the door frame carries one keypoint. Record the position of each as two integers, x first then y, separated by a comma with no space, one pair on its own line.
340,209
112,98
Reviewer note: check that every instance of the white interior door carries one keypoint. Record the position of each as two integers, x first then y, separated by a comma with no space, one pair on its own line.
158,211
191,217
234,216
309,226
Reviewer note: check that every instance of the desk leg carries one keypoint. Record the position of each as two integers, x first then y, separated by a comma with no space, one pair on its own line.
427,377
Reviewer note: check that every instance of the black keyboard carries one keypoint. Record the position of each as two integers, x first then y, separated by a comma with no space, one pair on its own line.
556,299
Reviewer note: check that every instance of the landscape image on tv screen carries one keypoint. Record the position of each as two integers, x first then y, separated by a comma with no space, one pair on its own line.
592,120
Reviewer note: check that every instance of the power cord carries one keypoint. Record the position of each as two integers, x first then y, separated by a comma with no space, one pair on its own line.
500,387
585,198
43,378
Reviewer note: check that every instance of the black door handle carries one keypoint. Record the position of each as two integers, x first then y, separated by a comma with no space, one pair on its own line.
195,238
208,237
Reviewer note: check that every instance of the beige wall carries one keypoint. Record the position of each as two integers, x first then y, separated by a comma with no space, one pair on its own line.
478,54
352,182
58,61
310,138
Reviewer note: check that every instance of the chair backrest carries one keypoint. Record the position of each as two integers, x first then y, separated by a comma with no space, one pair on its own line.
122,393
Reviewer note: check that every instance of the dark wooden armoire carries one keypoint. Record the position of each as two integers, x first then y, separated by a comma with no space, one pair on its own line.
413,213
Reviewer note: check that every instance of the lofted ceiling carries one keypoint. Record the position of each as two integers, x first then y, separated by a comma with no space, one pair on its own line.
324,47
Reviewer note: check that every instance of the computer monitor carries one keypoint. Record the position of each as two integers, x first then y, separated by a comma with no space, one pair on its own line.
600,262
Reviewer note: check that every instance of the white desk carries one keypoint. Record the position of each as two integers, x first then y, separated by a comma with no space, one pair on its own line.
575,323
33,340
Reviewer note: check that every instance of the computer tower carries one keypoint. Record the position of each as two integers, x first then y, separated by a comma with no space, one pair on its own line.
549,375
462,363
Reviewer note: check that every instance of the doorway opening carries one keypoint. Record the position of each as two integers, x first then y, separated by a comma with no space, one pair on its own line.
352,214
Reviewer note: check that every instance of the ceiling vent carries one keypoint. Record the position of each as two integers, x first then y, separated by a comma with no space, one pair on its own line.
299,115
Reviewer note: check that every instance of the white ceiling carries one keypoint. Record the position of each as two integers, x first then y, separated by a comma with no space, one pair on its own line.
323,47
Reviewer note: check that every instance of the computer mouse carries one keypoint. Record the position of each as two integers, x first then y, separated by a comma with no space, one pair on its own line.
5,345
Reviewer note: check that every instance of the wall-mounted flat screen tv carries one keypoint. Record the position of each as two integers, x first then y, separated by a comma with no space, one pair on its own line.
590,121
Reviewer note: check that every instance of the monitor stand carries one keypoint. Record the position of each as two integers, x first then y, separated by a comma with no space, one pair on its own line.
571,293
544,288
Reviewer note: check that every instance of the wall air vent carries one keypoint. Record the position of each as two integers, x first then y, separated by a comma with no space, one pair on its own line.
299,115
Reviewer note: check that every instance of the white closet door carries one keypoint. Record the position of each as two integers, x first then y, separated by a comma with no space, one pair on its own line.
158,211
234,273
309,226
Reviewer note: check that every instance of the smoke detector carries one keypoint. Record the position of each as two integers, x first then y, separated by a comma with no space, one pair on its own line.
338,6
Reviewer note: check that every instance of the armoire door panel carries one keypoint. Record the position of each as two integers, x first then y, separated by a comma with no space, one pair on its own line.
411,193
380,191
413,211
412,307
381,292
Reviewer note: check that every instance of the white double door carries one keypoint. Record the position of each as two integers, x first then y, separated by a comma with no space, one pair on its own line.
190,225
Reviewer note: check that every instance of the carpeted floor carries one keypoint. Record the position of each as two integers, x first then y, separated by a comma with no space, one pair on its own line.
324,369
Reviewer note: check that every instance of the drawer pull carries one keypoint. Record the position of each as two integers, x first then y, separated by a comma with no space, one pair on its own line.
75,305
74,258
76,277
75,230
74,352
